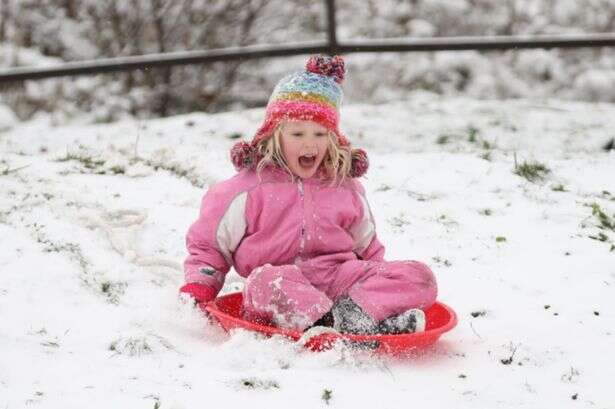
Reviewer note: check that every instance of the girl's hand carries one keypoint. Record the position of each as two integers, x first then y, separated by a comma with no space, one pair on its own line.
201,293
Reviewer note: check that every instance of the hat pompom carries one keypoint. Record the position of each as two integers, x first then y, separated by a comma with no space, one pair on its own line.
330,66
243,156
359,163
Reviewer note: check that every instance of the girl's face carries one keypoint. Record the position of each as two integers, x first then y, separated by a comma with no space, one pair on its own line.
304,145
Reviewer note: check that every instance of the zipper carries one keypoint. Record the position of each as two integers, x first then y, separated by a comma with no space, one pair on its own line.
302,234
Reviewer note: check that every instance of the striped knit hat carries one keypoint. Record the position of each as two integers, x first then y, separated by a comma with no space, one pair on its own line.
311,95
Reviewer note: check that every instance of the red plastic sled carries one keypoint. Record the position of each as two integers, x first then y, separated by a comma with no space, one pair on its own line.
439,319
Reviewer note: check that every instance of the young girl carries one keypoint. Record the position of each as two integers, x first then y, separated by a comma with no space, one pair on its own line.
295,222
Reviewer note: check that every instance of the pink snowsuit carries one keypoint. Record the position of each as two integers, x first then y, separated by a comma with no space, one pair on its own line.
301,244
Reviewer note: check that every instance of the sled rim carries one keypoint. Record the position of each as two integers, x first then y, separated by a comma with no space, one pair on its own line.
417,338
223,318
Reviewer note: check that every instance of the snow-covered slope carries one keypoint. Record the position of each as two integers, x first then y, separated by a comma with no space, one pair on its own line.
92,221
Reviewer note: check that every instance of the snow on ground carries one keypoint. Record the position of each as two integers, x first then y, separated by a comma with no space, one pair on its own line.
92,222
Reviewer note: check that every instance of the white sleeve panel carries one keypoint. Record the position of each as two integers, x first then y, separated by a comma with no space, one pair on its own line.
232,227
364,230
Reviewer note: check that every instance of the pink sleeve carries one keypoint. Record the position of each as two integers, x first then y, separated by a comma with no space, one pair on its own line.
213,237
367,246
373,252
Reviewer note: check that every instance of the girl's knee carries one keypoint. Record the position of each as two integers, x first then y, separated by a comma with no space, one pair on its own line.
424,273
422,277
267,274
429,280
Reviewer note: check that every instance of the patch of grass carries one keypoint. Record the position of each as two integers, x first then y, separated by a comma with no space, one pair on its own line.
509,360
113,290
500,239
486,145
88,161
399,221
486,212
606,222
532,171
441,260
117,170
570,375
486,156
8,170
600,237
327,394
105,286
254,383
421,197
558,188
446,221
442,140
51,247
131,346
177,169
472,133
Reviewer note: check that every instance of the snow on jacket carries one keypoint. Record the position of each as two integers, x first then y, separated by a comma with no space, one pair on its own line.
247,222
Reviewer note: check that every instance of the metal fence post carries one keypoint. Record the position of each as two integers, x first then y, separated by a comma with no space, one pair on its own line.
331,28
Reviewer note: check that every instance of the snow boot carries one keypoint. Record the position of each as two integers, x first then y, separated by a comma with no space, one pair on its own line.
412,320
349,318
324,321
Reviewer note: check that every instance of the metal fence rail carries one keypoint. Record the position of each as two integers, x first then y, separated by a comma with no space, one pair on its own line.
481,43
108,65
331,46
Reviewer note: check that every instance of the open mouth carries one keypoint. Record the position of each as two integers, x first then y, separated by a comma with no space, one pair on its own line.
307,161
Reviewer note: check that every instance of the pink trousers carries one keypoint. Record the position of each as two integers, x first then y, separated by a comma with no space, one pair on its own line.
294,296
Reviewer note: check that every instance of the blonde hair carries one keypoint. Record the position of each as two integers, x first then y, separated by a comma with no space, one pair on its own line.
336,163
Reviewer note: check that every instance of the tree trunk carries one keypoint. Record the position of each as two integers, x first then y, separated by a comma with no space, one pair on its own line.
71,9
164,86
4,17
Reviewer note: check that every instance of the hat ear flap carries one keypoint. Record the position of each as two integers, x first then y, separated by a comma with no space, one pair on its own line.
243,156
359,163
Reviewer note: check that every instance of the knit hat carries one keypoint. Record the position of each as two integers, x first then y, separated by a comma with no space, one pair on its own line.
315,95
